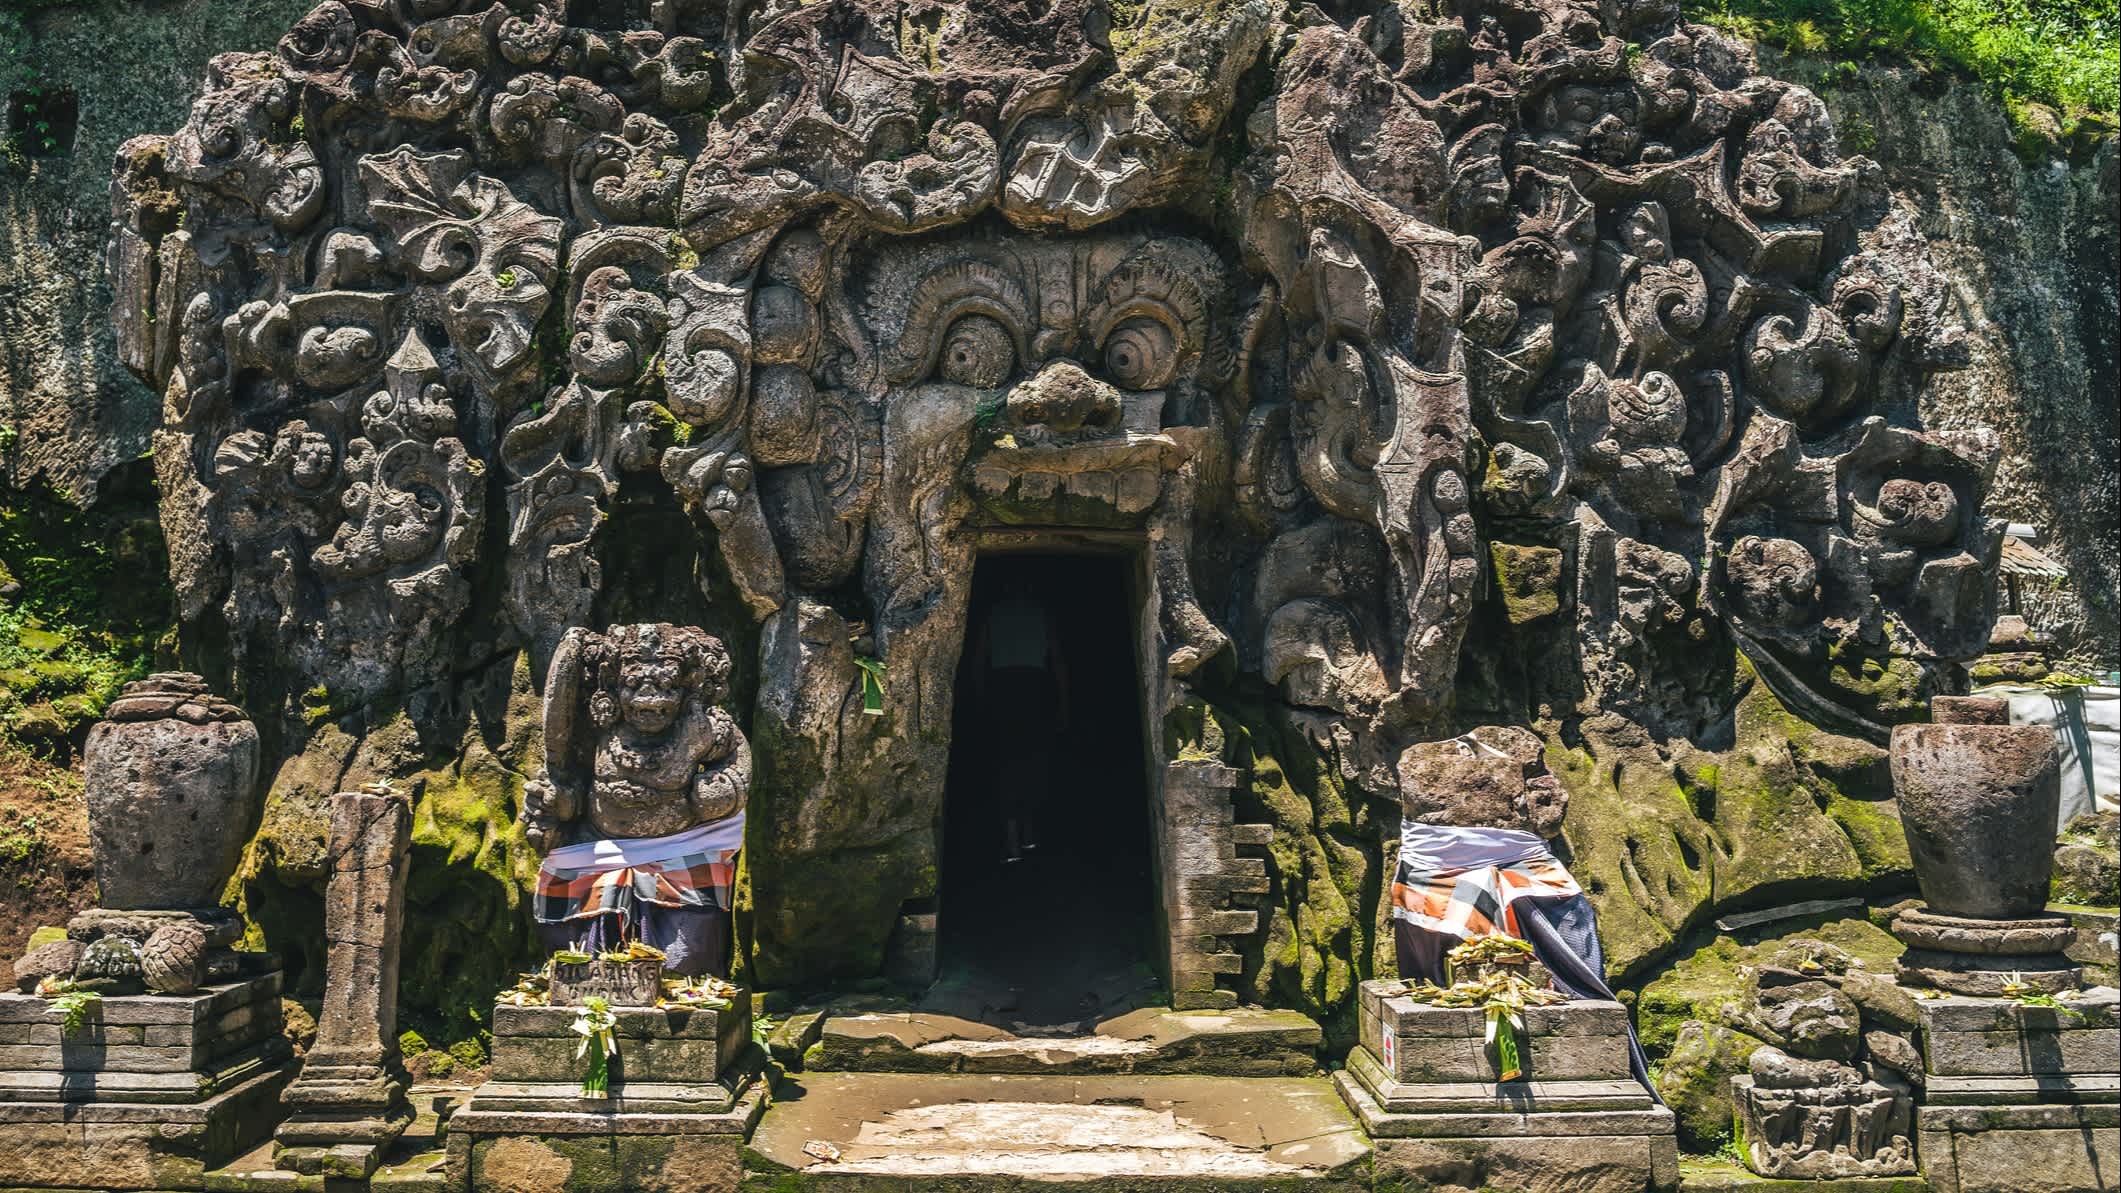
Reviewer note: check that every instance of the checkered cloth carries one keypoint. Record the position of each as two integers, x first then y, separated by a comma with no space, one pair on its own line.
695,868
1463,881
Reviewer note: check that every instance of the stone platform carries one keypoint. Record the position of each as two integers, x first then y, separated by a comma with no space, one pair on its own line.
153,1092
933,1133
1423,1086
684,1097
2021,1099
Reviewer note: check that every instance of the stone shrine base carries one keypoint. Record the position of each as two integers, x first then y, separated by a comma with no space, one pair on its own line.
1423,1086
2021,1099
684,1098
154,1091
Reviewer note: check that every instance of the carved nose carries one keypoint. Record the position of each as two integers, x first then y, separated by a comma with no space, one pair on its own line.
1064,397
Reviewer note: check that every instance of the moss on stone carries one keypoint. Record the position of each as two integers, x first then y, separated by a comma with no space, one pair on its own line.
1528,579
1695,1082
1704,983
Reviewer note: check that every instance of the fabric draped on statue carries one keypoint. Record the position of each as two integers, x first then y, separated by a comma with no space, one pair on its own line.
693,869
1466,881
1457,884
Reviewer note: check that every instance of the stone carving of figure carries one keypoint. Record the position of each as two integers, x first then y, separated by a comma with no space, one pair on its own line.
641,803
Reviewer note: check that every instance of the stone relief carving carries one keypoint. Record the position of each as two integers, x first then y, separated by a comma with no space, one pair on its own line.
637,743
847,290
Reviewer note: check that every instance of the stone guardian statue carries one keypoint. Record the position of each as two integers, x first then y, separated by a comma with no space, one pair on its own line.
641,805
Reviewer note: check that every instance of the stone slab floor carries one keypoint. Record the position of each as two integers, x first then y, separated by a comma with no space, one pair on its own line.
850,1132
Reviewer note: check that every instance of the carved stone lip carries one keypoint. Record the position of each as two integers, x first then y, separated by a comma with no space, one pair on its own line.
1117,452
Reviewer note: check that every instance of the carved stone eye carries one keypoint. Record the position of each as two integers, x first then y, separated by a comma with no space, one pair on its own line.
977,352
1141,354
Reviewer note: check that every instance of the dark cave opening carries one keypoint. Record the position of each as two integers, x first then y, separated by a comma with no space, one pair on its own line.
1047,913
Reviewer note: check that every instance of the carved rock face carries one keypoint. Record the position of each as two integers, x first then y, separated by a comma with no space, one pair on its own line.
851,290
1493,777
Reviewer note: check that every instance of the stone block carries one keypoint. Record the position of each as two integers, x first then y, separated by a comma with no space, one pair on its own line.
588,1147
1974,1037
1580,1040
2020,1149
544,1058
667,1045
1528,1164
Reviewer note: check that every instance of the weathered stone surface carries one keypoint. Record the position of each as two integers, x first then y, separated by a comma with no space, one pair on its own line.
2009,1149
1695,1081
1979,803
1982,1037
1984,937
173,961
539,1044
1493,777
1147,302
351,1091
170,794
56,959
1819,1119
1552,1165
1810,1018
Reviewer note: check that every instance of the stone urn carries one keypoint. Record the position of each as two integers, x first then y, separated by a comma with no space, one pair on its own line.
1978,799
171,776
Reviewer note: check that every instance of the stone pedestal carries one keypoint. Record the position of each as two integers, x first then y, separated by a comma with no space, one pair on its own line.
150,1093
1425,1088
2021,1099
1980,956
349,1102
683,1100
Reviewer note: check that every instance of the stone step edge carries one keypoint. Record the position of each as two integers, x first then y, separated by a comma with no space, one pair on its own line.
1262,1049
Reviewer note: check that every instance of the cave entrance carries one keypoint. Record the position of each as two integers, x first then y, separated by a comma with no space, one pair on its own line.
1048,914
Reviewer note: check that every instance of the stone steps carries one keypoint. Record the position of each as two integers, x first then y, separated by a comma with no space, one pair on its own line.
1153,1041
885,1132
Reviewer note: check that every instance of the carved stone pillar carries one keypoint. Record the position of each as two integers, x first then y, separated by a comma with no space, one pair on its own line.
349,1101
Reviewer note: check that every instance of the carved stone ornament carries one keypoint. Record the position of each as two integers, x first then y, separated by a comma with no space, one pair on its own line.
1322,308
636,741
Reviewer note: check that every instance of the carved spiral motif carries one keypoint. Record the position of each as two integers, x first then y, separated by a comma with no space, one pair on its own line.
1141,354
976,352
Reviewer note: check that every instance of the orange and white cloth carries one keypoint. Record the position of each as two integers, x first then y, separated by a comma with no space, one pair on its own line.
695,868
1463,881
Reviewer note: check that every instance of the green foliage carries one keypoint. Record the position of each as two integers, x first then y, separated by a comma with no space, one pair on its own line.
19,72
75,1005
86,609
2056,53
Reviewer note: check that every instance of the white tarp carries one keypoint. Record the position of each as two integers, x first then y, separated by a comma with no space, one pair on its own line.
2087,725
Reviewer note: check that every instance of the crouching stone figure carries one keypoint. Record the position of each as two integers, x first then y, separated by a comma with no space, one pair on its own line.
641,806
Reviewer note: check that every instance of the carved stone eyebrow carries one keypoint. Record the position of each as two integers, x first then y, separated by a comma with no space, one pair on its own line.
947,294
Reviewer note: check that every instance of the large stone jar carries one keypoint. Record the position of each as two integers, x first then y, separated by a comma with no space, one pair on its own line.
171,775
1979,800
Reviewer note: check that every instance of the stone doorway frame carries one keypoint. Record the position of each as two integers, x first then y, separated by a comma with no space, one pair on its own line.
1200,882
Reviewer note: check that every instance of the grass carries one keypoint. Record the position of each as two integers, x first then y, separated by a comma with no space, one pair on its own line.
2060,54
